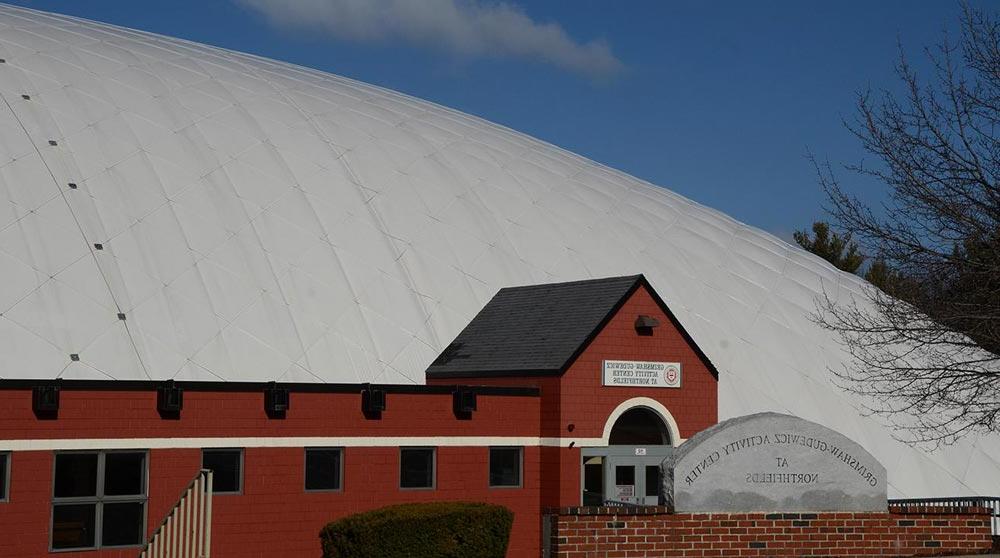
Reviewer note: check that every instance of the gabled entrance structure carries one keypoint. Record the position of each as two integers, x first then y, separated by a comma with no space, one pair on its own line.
621,381
553,396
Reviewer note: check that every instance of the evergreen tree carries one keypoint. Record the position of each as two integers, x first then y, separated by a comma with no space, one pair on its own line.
836,249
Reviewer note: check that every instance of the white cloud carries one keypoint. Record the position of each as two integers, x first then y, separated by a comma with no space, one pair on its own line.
468,28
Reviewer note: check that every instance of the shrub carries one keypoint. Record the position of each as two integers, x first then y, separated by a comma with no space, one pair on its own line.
431,530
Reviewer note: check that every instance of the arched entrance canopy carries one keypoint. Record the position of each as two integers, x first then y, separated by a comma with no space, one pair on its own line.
641,411
638,435
639,426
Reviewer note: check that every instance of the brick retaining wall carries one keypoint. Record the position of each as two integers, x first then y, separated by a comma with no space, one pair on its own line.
655,532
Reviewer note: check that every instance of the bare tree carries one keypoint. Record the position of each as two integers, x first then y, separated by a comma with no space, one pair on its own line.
926,341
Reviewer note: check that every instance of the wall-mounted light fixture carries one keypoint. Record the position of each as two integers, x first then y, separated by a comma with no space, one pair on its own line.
169,400
373,401
45,401
644,325
276,400
464,402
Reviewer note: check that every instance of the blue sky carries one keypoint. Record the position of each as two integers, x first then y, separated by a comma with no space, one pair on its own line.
717,101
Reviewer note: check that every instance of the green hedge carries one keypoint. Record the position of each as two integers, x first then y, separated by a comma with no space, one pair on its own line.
431,530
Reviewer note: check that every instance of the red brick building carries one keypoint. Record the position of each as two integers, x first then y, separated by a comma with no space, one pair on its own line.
554,395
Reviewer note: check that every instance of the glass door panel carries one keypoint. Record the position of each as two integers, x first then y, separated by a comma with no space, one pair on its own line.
593,480
625,485
651,492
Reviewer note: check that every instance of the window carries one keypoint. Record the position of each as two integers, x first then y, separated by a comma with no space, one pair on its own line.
4,476
99,499
652,480
227,464
624,482
323,468
505,467
416,467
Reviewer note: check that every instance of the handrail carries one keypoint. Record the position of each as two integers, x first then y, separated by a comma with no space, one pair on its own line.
990,502
186,532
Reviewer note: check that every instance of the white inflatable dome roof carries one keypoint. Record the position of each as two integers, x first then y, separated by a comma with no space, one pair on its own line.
253,220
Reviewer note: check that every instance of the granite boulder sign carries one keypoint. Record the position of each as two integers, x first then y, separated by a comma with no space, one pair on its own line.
773,462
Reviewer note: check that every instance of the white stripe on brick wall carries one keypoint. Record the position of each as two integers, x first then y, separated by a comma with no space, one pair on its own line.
294,442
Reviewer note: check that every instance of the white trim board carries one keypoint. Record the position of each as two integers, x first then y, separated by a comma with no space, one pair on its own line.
295,442
291,442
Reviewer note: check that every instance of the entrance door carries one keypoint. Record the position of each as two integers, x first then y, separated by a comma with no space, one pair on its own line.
635,479
622,475
625,484
627,471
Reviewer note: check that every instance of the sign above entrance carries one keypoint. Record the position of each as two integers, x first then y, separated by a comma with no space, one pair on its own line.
638,373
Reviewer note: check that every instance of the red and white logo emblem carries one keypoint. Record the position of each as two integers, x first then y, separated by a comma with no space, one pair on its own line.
671,374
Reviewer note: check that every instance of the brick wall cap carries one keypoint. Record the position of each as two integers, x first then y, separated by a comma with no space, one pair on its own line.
609,510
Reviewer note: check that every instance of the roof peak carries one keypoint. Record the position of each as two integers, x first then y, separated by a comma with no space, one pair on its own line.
534,329
595,280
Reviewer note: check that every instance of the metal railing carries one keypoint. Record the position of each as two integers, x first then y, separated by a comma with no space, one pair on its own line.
619,504
991,502
186,532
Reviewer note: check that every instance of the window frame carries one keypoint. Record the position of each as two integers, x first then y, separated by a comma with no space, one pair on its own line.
242,471
520,467
434,467
99,499
5,469
305,469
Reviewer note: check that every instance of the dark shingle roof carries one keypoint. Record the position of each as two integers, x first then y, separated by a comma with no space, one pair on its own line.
533,330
